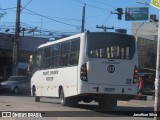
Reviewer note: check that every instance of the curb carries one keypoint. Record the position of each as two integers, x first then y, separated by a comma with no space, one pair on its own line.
143,97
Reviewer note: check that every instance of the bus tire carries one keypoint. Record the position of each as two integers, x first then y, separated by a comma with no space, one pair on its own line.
63,99
37,99
68,101
33,91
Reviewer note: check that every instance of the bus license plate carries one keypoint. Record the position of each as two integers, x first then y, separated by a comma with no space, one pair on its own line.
109,89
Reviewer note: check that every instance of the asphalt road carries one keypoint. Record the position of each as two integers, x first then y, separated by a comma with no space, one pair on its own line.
52,109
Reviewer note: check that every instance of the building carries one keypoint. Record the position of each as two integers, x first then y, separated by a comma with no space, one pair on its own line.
148,30
147,50
147,34
26,47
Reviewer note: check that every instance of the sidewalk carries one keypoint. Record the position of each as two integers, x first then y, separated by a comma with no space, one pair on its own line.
150,98
144,97
149,102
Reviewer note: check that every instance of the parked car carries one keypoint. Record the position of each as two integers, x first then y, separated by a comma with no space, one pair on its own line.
17,84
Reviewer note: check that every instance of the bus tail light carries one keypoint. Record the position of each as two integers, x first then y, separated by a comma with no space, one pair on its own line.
84,72
135,77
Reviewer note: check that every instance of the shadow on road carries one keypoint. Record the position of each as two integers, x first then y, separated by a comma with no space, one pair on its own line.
95,110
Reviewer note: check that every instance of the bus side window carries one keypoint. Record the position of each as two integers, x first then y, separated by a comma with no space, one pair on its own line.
55,55
74,52
38,59
64,54
47,54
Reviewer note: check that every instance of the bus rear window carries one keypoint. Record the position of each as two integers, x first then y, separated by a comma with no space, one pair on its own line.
111,46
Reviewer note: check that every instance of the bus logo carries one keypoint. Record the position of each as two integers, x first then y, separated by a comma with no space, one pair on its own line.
111,69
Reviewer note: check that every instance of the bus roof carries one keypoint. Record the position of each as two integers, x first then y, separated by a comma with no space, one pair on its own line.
75,36
60,40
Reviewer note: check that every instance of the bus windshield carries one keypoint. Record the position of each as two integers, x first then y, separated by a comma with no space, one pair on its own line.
111,46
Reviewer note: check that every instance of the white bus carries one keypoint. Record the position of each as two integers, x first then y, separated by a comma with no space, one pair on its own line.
99,66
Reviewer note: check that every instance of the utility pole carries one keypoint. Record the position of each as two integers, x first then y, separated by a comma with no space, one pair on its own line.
16,41
104,28
83,19
157,79
156,3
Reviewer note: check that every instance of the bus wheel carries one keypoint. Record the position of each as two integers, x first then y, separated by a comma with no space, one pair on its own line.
68,101
37,98
63,100
33,91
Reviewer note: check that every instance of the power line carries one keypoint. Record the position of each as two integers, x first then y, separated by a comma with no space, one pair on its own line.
106,19
26,5
68,19
100,8
53,19
8,8
89,26
28,27
103,3
47,17
65,18
59,21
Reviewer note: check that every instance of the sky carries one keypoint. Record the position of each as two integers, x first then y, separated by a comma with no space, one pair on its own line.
57,17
